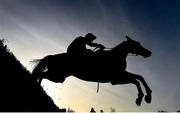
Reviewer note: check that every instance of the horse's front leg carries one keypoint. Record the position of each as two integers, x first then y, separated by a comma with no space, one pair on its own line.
148,90
140,92
128,78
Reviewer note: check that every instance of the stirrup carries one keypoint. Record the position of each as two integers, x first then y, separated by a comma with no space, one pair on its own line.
98,87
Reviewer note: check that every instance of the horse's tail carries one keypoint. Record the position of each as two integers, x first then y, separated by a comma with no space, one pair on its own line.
38,69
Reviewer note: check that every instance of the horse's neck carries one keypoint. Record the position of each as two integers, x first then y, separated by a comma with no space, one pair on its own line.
119,54
121,59
120,51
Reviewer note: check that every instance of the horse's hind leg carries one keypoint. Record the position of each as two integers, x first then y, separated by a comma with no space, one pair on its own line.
148,90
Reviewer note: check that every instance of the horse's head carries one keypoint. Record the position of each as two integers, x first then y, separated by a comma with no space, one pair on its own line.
136,48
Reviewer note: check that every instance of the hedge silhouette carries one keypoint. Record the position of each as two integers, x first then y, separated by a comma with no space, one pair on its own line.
19,92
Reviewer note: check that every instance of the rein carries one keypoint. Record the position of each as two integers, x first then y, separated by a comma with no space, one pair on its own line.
132,55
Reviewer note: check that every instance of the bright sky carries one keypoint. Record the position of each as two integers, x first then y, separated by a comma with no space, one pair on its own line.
36,28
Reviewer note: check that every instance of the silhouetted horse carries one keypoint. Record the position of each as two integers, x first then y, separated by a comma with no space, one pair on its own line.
105,66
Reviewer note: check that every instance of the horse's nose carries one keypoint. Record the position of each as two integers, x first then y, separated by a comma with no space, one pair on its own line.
148,54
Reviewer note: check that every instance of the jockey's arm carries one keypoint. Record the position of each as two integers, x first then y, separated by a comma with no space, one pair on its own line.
96,45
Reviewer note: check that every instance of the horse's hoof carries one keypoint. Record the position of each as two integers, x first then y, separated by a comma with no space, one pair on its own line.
138,101
148,98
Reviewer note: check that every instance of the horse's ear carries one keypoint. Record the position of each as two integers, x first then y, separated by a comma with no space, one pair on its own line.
128,38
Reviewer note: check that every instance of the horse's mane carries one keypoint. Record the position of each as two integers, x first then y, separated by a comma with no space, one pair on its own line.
117,47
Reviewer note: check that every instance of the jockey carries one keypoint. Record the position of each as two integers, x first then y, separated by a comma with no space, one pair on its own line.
78,46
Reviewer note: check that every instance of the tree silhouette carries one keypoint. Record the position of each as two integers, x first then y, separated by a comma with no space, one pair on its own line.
70,110
92,110
112,110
